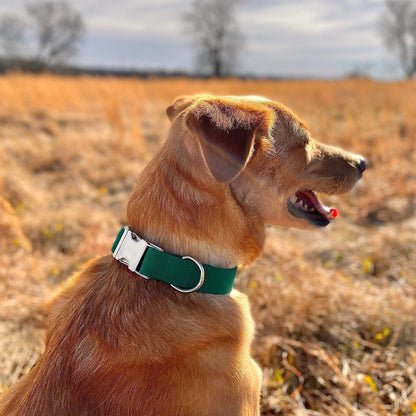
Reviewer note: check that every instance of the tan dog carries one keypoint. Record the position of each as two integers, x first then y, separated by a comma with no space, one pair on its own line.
122,345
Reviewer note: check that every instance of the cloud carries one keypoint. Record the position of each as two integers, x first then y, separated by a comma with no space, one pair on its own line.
320,37
293,21
158,18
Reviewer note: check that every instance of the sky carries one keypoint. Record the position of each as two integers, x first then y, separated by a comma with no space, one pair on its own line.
283,38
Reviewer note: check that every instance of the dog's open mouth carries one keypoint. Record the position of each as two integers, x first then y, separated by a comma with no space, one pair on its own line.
305,204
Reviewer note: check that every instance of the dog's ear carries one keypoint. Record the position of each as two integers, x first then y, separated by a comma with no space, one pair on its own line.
179,105
226,133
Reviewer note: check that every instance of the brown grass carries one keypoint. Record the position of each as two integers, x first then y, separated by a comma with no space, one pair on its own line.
335,308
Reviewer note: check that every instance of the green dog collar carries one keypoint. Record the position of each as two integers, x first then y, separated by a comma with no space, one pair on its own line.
185,274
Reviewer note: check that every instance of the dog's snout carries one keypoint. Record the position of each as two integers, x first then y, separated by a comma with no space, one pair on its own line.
361,164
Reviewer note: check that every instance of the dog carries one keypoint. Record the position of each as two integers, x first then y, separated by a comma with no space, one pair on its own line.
155,328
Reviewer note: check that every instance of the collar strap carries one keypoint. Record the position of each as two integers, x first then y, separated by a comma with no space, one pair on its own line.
185,274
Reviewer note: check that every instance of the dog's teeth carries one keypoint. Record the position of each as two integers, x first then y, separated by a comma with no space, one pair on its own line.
293,199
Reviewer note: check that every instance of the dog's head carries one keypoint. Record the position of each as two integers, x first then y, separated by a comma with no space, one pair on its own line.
266,156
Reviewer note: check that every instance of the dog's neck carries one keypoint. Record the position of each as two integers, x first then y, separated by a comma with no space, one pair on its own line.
192,214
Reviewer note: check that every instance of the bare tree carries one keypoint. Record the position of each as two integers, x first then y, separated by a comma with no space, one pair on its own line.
49,33
58,29
12,29
397,26
218,41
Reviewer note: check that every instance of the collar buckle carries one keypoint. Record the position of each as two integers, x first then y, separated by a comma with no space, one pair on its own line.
131,249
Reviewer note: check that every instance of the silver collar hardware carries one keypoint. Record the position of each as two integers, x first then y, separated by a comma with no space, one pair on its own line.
131,249
201,277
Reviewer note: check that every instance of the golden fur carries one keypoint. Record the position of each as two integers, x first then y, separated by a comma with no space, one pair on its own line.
120,345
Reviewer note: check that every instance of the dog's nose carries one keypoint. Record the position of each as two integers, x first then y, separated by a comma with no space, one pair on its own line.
361,164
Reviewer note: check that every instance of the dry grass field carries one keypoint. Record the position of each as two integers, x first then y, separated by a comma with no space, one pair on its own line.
334,308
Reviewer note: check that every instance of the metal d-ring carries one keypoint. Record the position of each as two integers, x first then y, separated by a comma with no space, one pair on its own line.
201,277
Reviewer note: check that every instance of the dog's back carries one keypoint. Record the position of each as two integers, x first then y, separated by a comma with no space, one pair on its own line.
119,345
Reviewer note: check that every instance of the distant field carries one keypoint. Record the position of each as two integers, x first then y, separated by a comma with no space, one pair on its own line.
334,308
